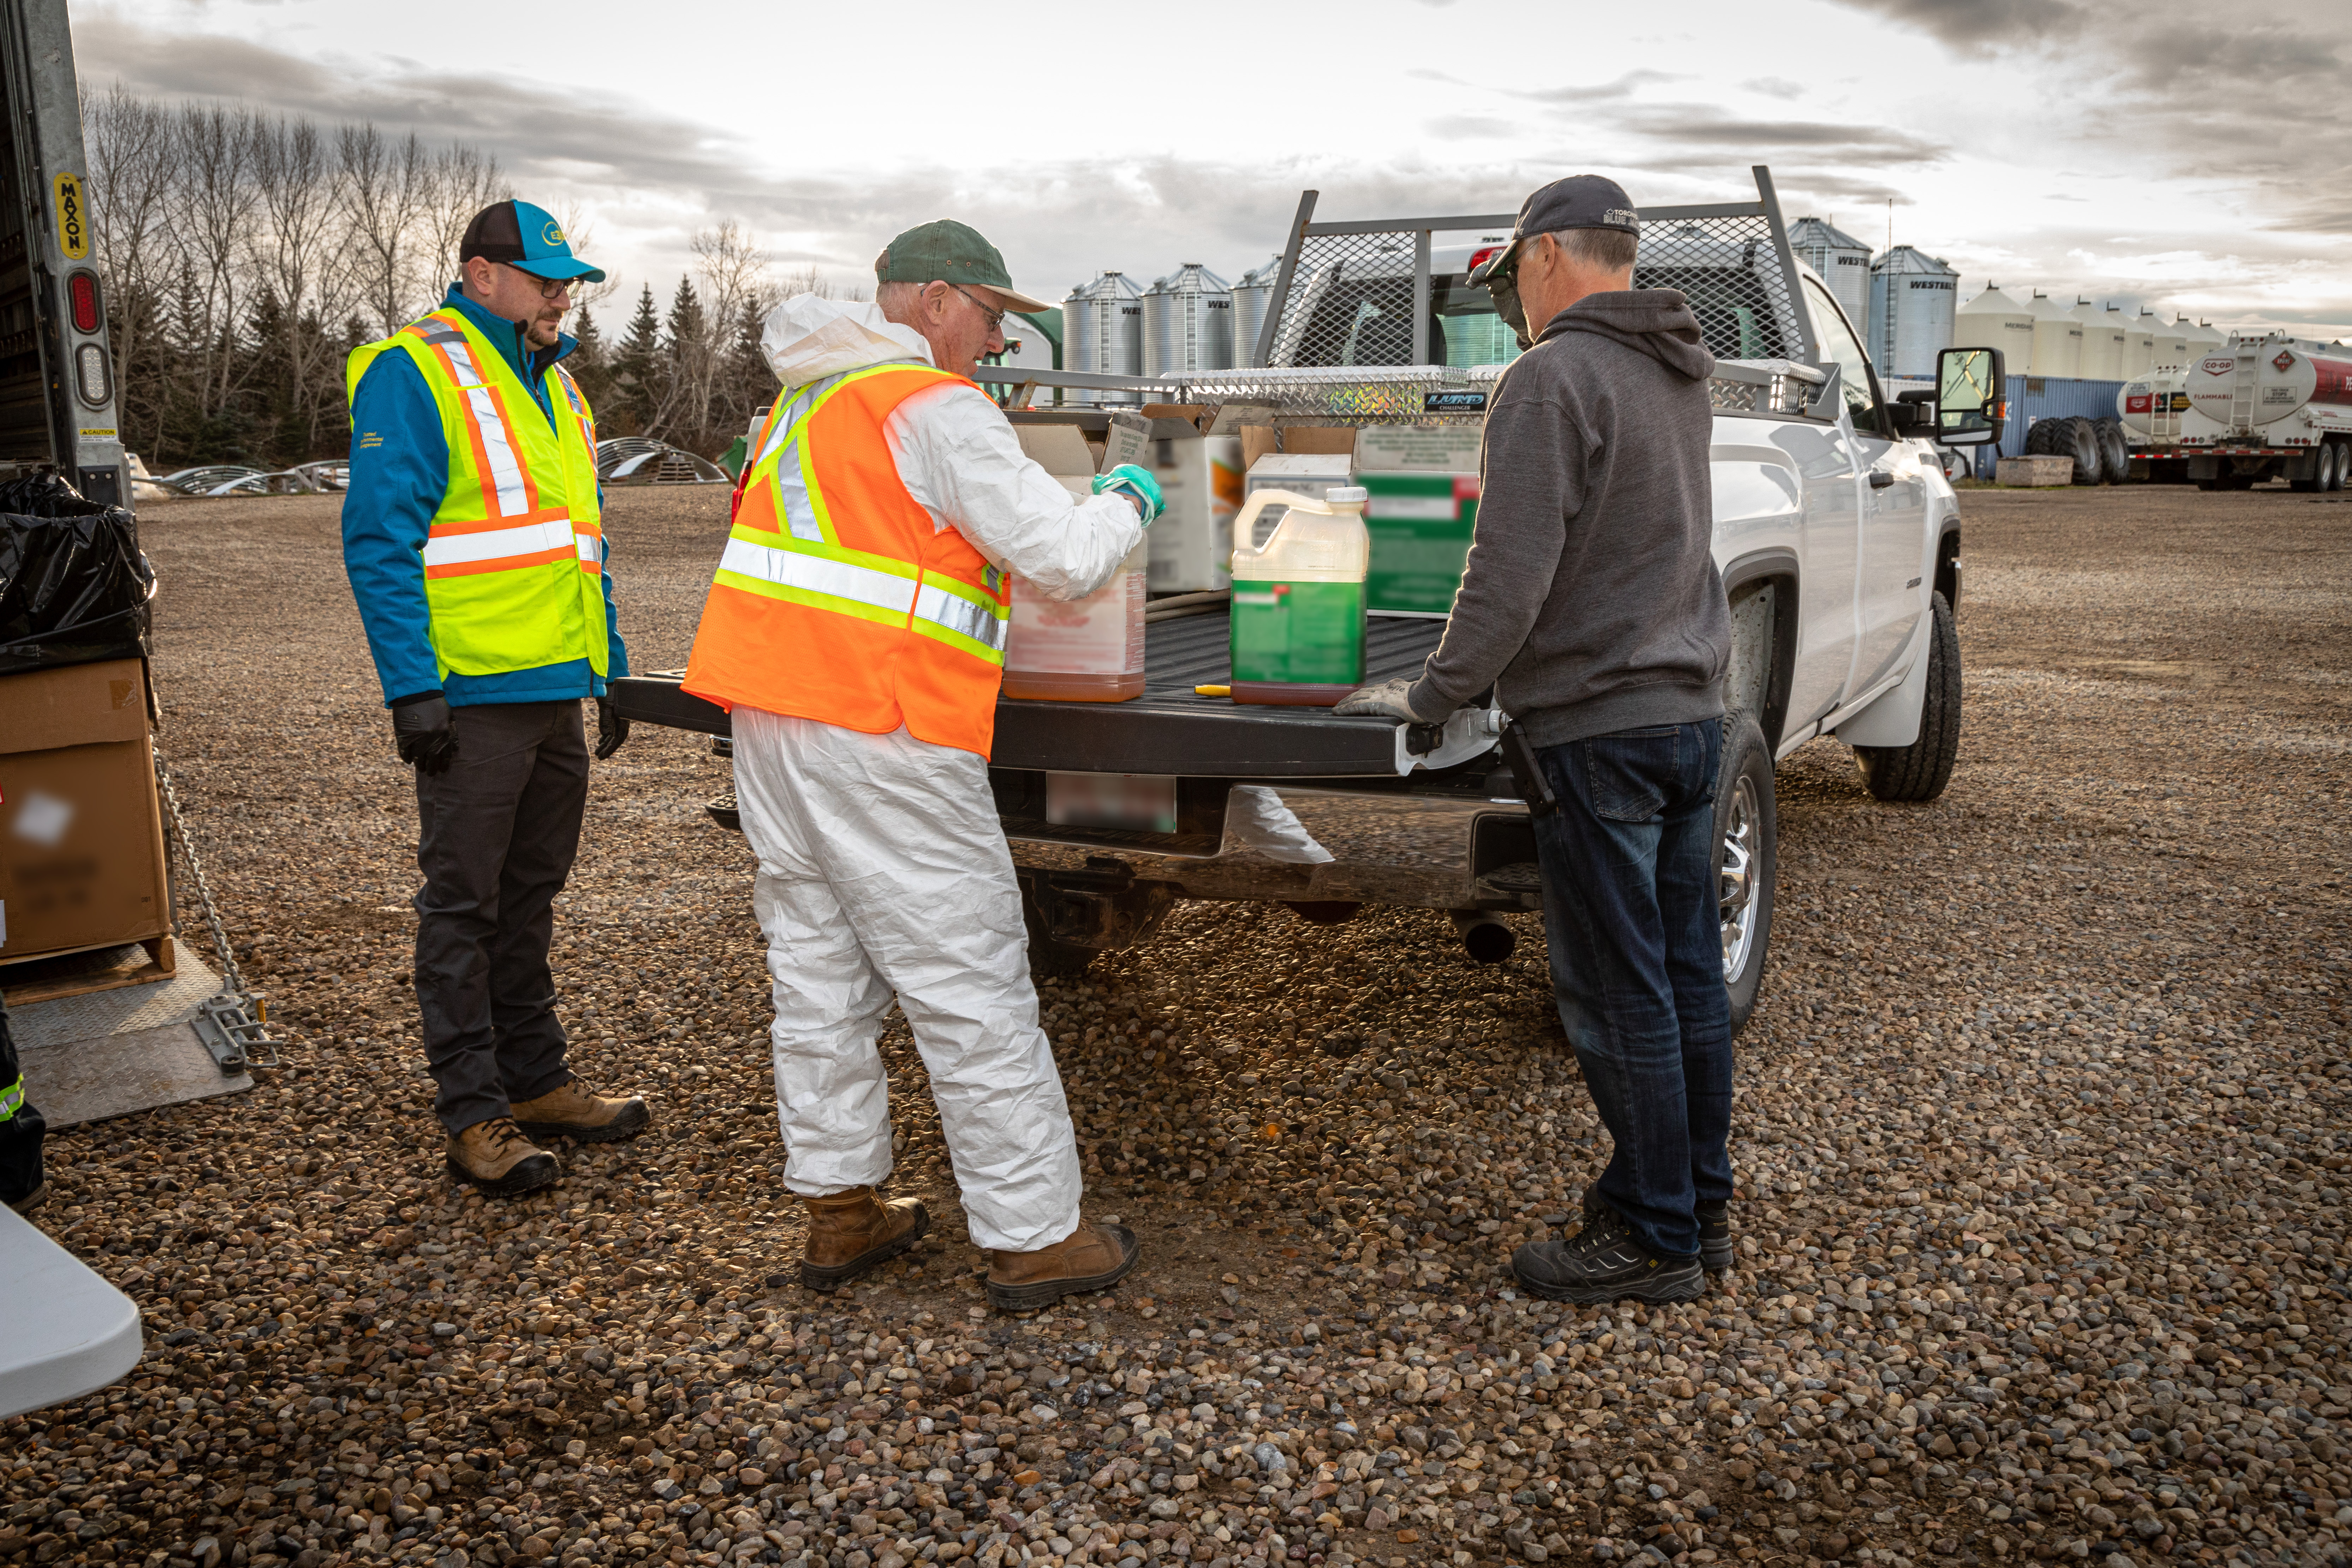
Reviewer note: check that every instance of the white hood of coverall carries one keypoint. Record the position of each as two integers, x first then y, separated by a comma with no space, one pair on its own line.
807,339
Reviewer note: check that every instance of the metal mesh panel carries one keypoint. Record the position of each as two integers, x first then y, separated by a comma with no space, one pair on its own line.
1351,302
1731,273
1350,299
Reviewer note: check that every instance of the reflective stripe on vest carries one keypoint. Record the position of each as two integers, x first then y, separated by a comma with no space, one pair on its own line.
808,566
12,1099
517,532
839,598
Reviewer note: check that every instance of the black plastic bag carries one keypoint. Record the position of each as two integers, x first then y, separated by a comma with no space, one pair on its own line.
74,587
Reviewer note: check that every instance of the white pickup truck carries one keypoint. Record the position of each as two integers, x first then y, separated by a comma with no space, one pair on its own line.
1836,531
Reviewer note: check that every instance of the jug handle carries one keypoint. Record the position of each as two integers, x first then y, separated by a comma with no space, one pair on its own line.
1245,520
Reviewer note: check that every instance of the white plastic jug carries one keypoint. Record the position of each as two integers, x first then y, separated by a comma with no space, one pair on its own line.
1298,600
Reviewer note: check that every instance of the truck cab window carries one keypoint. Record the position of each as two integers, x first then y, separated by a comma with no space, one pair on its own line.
1840,347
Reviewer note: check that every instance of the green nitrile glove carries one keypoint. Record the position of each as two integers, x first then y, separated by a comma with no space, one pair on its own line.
1137,482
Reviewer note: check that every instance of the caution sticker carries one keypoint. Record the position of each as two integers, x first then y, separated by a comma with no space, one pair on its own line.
73,218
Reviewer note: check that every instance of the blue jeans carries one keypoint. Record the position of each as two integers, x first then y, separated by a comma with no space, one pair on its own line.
1630,914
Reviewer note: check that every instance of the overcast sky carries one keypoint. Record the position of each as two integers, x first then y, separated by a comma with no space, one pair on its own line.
2161,153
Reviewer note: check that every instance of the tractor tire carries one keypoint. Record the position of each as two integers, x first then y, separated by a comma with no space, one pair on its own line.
2089,463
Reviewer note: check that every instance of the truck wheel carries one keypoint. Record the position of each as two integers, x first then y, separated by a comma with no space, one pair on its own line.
2343,457
2114,451
1746,861
1920,771
2089,463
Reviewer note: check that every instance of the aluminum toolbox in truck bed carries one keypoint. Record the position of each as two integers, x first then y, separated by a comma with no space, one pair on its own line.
1168,729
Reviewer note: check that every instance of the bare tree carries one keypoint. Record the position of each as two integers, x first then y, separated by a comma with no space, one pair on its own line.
212,218
134,168
387,191
461,182
809,278
302,253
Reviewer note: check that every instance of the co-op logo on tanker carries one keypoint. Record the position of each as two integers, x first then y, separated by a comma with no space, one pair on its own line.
2220,365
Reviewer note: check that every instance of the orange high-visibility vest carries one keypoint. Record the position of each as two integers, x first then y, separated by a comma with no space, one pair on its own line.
837,597
514,561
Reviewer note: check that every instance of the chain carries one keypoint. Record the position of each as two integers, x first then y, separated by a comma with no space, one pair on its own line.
230,1013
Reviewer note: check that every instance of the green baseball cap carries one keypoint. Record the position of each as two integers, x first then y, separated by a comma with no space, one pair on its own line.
946,251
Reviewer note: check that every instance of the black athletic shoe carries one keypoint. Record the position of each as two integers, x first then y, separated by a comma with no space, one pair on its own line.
1603,1262
1715,1253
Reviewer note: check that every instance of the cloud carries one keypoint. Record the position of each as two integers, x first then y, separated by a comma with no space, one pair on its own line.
1984,26
1775,87
1468,127
1600,93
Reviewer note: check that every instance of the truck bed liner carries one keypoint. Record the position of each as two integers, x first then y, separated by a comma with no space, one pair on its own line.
1169,729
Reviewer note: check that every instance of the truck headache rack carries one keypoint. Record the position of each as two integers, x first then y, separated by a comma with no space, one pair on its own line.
1361,293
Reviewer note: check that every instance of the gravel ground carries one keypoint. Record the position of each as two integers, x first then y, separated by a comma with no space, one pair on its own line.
2042,1140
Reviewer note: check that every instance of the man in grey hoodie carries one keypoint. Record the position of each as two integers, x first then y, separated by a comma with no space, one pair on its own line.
1591,604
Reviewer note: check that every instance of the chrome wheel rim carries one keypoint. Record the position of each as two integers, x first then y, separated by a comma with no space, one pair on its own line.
1736,887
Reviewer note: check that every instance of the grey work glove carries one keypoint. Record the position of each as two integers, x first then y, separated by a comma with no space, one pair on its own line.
1386,701
421,728
611,727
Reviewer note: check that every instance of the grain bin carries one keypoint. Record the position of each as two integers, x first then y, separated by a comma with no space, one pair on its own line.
2103,342
1252,298
1188,323
2057,338
1912,300
1994,321
1843,261
2172,342
2203,339
2139,342
1102,334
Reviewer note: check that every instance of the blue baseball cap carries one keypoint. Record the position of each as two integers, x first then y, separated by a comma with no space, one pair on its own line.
525,237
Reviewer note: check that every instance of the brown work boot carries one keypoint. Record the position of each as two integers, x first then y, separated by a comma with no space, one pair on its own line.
496,1157
1094,1257
852,1231
572,1111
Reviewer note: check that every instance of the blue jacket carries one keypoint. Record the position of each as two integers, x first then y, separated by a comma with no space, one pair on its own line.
399,470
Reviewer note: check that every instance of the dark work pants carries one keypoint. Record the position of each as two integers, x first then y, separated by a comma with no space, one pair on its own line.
1632,917
496,834
21,1126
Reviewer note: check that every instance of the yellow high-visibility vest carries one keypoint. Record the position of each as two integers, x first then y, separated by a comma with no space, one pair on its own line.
514,562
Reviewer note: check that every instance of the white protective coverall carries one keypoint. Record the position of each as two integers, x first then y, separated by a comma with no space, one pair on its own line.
882,866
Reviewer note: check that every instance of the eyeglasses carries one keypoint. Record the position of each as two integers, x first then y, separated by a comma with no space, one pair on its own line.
549,288
995,318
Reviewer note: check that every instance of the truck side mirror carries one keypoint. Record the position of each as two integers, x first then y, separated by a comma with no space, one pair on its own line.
1971,396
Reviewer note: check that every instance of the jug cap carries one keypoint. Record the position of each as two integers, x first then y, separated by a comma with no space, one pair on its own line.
1347,495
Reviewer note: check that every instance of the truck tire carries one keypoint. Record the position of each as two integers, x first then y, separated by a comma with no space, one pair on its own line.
2112,451
2090,462
2343,456
1746,861
1920,771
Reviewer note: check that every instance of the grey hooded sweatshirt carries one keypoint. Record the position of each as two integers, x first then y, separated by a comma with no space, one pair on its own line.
1591,600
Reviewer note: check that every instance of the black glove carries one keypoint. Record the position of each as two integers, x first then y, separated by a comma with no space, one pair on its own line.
422,729
611,727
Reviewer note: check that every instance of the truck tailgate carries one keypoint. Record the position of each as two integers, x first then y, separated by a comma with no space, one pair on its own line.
1168,729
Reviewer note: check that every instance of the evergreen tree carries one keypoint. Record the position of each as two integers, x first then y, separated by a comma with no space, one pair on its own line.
685,412
634,366
588,365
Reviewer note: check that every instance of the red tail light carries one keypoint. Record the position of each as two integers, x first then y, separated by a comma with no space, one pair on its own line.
81,289
1479,257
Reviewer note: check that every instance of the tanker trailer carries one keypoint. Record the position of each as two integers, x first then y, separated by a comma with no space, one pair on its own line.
2257,407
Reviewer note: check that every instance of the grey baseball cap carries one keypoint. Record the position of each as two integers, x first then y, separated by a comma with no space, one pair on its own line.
1579,201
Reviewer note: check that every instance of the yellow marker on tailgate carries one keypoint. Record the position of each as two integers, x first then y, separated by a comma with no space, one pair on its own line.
1212,691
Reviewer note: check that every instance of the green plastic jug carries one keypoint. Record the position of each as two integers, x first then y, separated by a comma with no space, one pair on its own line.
1298,601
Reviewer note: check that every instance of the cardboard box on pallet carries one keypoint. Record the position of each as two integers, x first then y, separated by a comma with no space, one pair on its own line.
81,832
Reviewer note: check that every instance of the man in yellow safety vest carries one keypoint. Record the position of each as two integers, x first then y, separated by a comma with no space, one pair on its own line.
472,535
